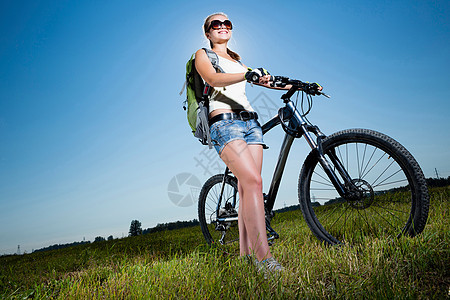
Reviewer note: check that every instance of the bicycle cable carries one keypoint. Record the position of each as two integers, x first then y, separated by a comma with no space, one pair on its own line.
310,104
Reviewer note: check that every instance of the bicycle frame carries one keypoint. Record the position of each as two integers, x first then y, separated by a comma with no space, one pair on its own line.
297,128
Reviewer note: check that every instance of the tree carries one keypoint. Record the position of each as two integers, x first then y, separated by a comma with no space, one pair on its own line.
99,239
135,228
110,238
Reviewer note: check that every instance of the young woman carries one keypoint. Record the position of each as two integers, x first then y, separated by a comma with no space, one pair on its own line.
237,135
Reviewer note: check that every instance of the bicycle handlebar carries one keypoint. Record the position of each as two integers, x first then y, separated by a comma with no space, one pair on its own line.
282,81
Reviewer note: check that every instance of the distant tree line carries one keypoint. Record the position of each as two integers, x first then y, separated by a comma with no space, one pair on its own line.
60,246
171,226
438,182
431,182
102,239
288,208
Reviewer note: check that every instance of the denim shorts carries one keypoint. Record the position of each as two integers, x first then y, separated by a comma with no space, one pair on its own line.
225,131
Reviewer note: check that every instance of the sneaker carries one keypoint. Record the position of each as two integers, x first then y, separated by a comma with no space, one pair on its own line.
269,266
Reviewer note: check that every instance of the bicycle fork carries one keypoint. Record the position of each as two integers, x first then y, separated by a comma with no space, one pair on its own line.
346,190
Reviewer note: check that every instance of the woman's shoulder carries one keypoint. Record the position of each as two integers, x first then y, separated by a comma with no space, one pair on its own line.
201,56
201,51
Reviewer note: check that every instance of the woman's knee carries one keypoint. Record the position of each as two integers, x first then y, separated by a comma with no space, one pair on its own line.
251,182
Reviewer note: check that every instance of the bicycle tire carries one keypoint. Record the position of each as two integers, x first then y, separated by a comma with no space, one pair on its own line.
395,198
207,212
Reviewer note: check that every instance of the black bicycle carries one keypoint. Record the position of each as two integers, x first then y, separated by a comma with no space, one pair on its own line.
354,184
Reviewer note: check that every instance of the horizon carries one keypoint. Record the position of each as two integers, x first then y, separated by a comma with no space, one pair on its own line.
92,130
163,225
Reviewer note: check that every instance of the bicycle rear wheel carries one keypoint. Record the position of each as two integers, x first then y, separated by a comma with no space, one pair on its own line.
393,199
214,206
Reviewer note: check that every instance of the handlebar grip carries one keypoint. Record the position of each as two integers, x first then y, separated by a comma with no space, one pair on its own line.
279,81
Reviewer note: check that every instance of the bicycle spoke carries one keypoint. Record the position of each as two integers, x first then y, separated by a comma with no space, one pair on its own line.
391,182
322,183
391,209
381,216
209,206
366,219
373,183
362,162
330,211
357,160
323,177
340,155
368,162
392,175
339,217
345,222
346,154
373,166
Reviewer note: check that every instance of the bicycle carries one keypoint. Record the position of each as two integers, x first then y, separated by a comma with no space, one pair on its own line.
355,183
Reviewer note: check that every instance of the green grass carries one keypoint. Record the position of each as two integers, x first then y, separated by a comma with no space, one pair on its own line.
387,214
177,264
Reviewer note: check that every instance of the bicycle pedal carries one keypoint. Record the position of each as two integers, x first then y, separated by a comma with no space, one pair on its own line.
220,227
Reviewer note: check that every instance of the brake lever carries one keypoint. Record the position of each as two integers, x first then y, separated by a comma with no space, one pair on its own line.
323,94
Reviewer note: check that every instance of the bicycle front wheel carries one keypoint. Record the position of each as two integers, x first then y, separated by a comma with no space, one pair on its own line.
393,199
218,212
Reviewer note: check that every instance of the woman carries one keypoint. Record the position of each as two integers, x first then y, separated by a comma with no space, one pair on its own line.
237,135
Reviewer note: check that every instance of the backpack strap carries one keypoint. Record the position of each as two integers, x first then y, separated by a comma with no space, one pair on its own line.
202,131
214,59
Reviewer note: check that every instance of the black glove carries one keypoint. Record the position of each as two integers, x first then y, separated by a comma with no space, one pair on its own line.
255,74
312,88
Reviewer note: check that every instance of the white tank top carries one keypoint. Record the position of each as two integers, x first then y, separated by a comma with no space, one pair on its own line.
232,96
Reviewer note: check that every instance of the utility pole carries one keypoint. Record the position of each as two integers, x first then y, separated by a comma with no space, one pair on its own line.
18,249
437,174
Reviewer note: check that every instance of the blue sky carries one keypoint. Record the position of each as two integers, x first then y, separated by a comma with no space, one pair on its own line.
92,129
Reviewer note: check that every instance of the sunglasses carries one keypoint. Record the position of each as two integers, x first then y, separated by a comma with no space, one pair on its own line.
217,24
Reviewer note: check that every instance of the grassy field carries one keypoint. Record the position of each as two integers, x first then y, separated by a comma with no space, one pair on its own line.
177,264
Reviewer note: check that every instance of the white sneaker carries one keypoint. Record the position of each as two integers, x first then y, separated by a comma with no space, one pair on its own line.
269,266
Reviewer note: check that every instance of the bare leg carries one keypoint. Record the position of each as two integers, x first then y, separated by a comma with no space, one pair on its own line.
245,162
244,239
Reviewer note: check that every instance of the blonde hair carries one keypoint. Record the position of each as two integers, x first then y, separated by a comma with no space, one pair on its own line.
233,54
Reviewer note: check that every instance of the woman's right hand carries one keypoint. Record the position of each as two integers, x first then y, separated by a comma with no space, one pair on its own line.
266,80
259,75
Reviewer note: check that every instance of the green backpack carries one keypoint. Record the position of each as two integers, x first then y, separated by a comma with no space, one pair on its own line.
197,98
